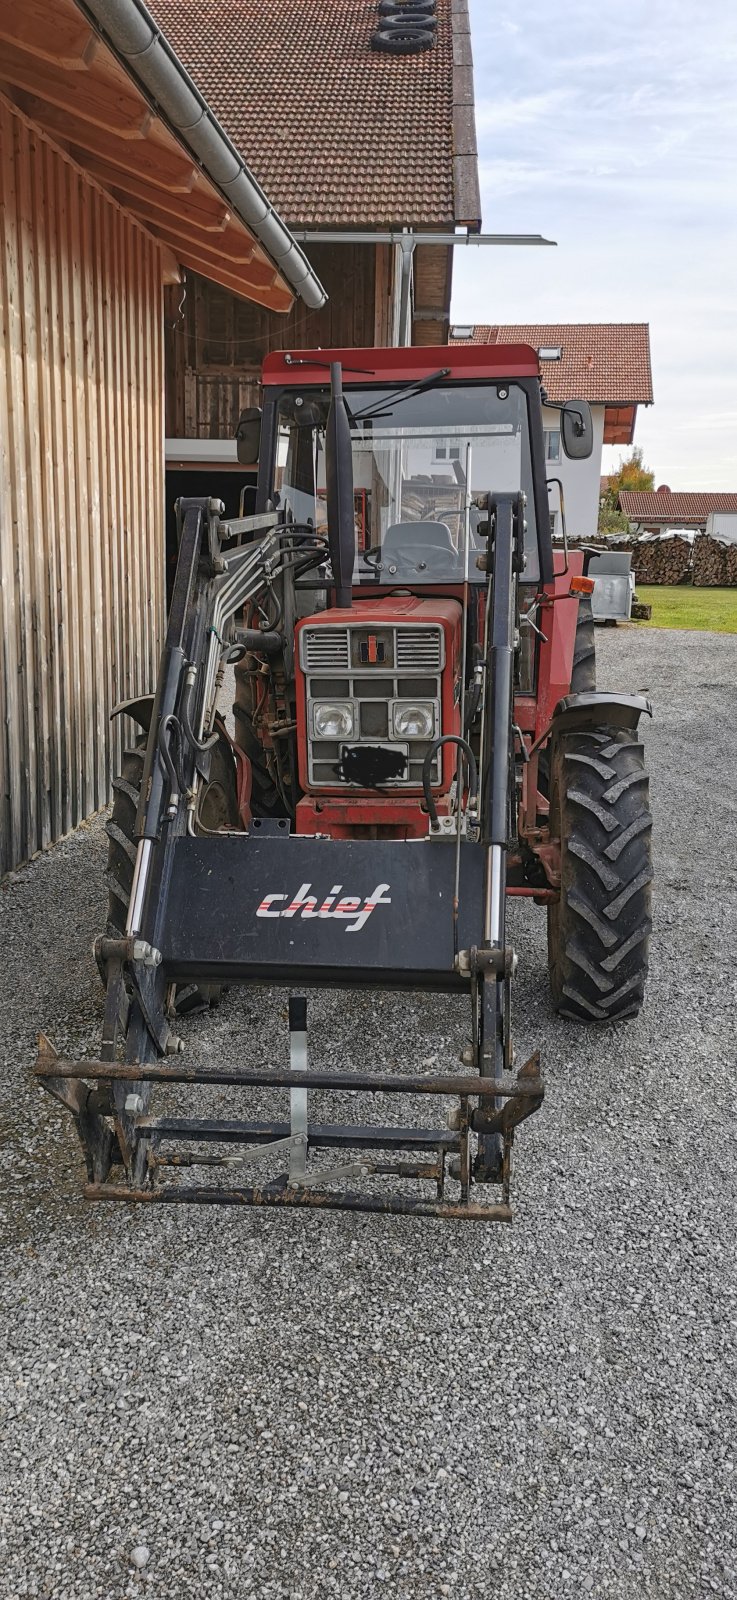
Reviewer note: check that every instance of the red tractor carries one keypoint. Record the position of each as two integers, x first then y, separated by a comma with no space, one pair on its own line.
418,738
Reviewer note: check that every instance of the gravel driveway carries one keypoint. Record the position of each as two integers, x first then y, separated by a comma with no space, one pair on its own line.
268,1405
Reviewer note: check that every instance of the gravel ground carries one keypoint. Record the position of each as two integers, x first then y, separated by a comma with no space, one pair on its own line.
219,1403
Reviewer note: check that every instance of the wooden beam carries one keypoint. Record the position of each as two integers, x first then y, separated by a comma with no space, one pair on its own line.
276,298
234,250
159,161
50,33
170,272
204,211
99,101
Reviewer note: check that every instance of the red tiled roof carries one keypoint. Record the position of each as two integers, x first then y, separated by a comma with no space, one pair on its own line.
338,134
661,505
607,363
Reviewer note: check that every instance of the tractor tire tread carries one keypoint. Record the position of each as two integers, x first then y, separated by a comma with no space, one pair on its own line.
598,932
583,677
122,853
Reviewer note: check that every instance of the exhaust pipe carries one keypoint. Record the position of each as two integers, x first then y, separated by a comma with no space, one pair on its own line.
339,483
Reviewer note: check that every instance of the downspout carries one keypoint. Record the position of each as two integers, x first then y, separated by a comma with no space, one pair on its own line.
130,30
407,244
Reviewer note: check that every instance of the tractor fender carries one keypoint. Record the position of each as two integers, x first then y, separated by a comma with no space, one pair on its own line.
139,709
596,709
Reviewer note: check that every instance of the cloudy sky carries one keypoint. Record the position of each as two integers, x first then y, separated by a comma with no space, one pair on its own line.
612,128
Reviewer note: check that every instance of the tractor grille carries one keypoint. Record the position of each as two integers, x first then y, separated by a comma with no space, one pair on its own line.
372,668
323,648
419,649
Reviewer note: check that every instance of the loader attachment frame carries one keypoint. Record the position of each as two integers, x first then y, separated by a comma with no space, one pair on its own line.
269,906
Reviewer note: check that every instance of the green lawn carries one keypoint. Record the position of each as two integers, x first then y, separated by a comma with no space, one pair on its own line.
713,609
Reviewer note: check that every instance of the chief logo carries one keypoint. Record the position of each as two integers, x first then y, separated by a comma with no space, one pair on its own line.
352,910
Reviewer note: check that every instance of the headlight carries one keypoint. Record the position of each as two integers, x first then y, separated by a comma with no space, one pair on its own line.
414,722
333,720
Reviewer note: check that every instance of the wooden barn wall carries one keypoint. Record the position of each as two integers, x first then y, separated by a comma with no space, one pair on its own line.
433,271
81,475
215,343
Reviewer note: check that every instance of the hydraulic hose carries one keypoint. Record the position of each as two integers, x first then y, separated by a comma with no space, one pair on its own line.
197,744
465,748
170,731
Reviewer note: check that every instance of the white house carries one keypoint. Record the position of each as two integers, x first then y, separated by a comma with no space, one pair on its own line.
606,363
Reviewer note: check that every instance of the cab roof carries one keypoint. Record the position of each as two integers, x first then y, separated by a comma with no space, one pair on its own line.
403,364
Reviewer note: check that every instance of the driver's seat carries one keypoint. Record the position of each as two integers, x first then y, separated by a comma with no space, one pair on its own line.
409,543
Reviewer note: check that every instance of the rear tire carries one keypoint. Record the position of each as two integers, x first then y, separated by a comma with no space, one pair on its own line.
599,929
121,861
583,676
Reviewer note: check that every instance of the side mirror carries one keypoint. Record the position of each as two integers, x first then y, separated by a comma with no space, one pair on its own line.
248,436
577,430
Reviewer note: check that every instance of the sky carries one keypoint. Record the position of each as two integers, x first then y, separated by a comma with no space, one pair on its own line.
612,128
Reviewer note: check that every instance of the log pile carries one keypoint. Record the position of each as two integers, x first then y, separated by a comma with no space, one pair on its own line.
661,561
714,563
705,562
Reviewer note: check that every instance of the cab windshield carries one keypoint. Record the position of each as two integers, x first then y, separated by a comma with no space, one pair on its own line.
422,465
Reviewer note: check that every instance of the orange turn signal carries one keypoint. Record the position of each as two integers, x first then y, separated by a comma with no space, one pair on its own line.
582,585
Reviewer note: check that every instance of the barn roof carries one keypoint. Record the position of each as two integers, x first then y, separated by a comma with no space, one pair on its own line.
341,134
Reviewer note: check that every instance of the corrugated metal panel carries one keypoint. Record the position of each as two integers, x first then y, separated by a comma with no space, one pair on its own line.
81,485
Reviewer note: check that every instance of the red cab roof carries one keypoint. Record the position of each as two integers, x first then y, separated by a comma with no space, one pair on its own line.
404,364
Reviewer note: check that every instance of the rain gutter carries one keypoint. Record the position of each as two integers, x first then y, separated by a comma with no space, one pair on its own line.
139,44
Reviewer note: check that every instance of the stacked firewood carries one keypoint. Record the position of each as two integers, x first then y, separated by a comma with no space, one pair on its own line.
714,563
664,561
707,562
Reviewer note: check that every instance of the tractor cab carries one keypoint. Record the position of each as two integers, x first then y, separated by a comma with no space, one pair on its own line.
428,441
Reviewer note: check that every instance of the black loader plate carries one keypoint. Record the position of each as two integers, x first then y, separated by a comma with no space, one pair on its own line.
293,909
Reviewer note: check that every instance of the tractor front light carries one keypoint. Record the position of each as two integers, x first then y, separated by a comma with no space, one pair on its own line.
333,720
414,721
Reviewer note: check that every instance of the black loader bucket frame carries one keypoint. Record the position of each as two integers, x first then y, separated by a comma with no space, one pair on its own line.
260,907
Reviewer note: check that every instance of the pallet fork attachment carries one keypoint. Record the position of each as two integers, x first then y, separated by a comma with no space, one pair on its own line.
430,1154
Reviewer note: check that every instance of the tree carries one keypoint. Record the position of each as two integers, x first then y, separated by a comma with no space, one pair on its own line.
630,474
611,521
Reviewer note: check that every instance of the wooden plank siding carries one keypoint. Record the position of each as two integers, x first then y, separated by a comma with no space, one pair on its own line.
433,271
81,490
215,342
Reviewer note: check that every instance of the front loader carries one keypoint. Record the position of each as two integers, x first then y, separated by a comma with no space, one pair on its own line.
417,739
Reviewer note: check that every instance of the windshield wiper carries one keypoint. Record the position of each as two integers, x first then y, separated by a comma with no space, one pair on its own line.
401,394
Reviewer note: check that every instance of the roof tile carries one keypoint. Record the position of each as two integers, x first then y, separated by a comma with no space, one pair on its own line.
662,505
338,134
607,363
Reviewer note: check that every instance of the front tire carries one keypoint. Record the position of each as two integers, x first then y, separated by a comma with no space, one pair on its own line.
599,929
121,861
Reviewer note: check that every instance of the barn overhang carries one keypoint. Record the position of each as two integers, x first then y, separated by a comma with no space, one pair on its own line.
101,81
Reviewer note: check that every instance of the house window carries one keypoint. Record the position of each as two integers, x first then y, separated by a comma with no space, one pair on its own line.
447,452
552,444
